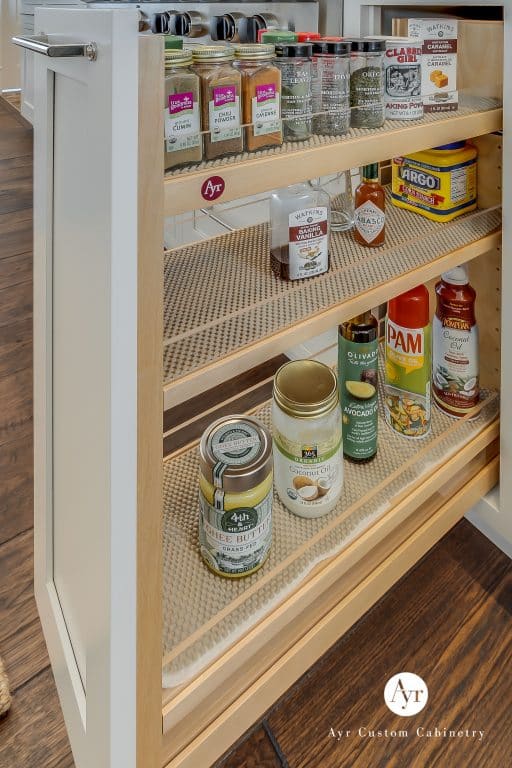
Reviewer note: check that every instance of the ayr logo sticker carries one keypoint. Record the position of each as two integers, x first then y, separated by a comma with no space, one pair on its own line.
213,188
406,694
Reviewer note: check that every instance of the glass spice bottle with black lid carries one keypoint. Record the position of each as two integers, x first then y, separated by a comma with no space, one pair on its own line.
294,61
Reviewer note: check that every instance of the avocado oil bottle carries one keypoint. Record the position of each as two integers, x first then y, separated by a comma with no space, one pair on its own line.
358,373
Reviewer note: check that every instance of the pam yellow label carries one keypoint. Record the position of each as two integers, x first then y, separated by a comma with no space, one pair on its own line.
405,346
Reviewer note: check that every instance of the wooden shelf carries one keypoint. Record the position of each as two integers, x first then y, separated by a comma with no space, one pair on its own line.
225,311
295,161
226,634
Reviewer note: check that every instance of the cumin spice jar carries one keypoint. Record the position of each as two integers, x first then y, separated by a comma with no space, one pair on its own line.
183,142
221,86
261,96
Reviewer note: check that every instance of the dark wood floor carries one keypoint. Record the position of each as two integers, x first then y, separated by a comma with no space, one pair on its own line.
448,620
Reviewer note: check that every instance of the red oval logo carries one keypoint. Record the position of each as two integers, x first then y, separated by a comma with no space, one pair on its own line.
213,188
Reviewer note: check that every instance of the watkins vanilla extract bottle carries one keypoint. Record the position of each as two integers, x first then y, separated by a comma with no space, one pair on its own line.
408,363
358,365
455,345
369,209
299,231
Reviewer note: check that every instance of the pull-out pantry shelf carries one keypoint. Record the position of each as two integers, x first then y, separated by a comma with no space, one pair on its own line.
295,161
225,311
220,633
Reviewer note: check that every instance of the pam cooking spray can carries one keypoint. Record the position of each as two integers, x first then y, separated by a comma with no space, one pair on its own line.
408,363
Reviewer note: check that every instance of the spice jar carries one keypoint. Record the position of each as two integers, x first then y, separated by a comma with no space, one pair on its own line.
261,96
221,86
183,142
367,83
235,495
299,231
331,87
294,61
307,431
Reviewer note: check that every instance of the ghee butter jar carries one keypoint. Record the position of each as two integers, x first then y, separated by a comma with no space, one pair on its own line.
235,495
307,431
438,183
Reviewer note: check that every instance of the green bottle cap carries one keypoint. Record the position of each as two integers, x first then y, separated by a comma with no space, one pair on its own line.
279,36
371,172
173,42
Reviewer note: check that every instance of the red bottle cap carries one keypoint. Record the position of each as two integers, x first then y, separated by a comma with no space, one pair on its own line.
260,32
333,39
308,37
410,309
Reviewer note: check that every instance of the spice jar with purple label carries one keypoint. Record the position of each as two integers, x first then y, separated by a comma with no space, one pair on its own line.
221,86
261,95
182,114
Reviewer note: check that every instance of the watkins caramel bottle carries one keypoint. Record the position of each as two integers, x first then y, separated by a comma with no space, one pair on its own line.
370,202
455,345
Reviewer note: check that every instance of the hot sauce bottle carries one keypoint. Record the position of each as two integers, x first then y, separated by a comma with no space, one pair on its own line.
369,216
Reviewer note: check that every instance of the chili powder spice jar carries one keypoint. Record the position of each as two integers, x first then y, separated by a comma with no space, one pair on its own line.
261,95
235,495
221,86
182,118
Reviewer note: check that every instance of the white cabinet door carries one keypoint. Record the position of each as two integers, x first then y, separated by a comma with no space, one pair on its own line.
85,362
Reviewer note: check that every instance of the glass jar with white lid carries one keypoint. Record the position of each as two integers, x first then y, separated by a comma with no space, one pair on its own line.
307,433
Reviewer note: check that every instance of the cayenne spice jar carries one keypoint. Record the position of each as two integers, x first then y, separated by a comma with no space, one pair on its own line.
261,96
308,449
235,496
221,86
183,141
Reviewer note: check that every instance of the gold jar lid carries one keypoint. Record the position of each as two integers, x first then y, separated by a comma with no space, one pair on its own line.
208,53
177,58
306,389
235,453
255,51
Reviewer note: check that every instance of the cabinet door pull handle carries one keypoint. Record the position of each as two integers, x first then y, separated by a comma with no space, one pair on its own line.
41,44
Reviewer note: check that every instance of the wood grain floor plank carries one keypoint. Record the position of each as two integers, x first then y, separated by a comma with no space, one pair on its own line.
16,412
15,269
16,489
17,604
16,233
15,303
15,346
33,733
446,620
256,752
24,654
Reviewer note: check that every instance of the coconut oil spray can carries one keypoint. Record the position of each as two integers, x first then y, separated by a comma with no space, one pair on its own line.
358,371
408,363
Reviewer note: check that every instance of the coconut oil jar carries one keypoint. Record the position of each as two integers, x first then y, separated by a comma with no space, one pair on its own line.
308,450
235,495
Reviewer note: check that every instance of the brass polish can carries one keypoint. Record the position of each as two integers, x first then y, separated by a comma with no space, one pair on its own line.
235,495
307,434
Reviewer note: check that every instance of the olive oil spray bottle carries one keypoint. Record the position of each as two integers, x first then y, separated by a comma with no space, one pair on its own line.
358,366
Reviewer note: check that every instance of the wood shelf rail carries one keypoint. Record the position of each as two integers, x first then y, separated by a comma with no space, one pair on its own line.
254,316
294,162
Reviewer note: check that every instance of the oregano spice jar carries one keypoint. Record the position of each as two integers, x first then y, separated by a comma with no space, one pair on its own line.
183,142
221,86
367,83
261,95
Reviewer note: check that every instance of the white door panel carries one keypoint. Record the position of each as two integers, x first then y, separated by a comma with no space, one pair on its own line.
85,362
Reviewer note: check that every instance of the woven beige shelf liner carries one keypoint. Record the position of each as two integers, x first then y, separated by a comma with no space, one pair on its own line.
5,695
468,105
194,597
220,294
